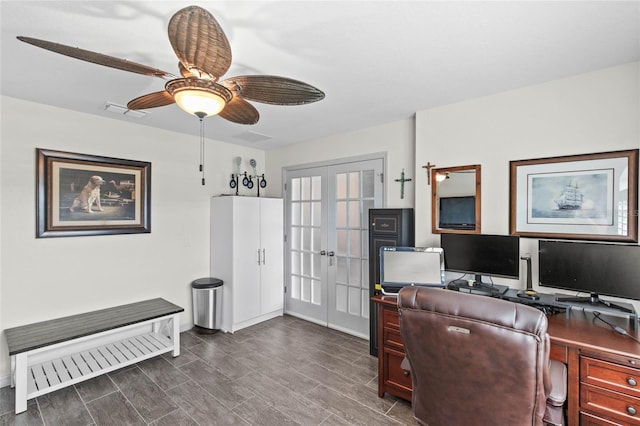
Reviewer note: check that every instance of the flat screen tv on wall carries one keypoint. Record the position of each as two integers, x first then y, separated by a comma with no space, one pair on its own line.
457,213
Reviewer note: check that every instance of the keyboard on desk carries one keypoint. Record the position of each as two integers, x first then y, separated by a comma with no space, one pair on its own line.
481,289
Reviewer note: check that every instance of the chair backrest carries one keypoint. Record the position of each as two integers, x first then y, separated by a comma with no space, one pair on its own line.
475,360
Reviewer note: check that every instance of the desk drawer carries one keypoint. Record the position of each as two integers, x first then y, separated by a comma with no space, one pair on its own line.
391,318
558,352
396,375
611,376
610,404
392,338
588,419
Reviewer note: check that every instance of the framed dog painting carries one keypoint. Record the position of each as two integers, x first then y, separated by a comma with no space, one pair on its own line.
80,194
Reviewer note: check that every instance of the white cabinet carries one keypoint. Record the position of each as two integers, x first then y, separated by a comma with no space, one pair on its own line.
247,254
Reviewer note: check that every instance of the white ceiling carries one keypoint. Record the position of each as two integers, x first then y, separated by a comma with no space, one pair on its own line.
376,61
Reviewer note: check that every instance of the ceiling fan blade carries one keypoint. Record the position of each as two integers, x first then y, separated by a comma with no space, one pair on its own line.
152,100
199,42
270,89
240,111
96,58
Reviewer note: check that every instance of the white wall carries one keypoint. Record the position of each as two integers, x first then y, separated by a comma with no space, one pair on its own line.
396,139
45,278
593,112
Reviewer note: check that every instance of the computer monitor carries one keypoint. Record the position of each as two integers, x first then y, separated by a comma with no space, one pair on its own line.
402,266
595,268
482,254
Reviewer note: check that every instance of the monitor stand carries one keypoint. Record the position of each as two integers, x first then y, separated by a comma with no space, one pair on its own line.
489,287
593,300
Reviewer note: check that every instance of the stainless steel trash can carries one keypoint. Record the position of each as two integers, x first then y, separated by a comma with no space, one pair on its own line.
207,304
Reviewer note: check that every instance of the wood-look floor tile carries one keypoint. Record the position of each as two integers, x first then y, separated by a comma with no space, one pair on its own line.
163,373
258,413
202,407
348,409
31,417
175,418
64,407
401,412
147,398
95,388
185,357
230,392
221,361
290,403
7,400
114,409
327,377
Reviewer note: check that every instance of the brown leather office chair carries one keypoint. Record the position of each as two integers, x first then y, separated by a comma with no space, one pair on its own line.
477,360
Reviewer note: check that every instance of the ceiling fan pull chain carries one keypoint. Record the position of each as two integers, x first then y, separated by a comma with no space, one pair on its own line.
202,149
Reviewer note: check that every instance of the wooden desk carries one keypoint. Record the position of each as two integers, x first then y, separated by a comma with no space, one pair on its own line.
603,366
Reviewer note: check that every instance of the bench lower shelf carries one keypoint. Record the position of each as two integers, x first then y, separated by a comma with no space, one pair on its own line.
58,373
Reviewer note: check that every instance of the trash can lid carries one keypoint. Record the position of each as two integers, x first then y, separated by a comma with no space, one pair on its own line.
207,282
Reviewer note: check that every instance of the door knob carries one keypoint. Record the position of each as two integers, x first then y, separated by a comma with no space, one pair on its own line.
331,254
323,252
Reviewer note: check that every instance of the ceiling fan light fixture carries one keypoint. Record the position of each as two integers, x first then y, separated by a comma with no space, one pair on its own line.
201,98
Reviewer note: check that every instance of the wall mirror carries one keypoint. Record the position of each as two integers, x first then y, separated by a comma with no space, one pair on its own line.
455,200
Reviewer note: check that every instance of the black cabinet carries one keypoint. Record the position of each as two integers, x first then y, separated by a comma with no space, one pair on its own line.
387,227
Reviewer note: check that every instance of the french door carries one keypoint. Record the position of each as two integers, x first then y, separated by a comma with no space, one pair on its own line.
327,267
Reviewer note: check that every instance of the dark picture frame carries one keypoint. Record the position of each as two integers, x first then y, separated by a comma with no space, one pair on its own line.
583,197
81,195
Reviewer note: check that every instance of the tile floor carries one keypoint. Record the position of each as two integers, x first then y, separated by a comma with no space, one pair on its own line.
281,372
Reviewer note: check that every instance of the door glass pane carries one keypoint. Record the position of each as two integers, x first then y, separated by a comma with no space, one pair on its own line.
306,290
354,243
367,183
295,262
341,185
306,214
306,239
306,188
315,240
354,214
342,242
306,264
316,214
354,185
354,301
295,214
315,273
295,189
354,273
316,188
341,214
342,271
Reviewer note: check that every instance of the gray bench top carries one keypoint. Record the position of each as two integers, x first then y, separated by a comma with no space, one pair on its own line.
32,336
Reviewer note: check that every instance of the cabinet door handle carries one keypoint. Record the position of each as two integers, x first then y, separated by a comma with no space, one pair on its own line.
258,256
264,257
631,410
631,381
406,373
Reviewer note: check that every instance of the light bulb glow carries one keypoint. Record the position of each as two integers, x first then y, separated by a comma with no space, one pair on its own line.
192,101
202,98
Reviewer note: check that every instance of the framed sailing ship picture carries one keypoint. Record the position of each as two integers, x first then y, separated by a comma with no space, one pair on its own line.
587,197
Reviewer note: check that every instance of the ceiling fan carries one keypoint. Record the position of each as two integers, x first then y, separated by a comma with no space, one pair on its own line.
204,57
